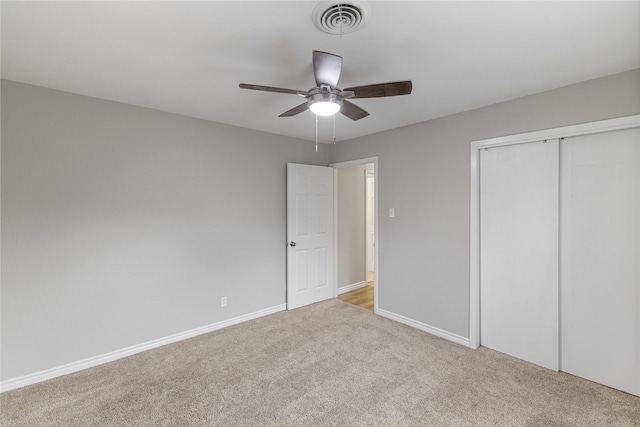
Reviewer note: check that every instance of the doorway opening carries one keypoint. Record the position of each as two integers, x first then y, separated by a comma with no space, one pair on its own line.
356,230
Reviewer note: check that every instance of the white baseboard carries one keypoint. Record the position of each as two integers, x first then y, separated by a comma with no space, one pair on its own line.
424,327
80,365
351,287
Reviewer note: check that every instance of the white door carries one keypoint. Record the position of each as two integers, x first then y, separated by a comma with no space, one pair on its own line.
370,220
519,251
601,258
310,263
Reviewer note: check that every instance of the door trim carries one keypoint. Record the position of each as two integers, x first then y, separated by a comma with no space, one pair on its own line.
347,164
474,202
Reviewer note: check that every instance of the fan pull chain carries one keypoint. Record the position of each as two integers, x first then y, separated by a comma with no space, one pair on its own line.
334,128
316,134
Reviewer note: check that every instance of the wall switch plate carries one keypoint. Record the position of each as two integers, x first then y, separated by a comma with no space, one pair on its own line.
223,302
392,212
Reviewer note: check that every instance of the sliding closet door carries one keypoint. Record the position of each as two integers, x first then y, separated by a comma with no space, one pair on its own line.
601,258
519,251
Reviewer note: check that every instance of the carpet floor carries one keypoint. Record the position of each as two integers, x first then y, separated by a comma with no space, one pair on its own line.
328,364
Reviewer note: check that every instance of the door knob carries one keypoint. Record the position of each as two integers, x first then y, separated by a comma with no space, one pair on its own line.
292,244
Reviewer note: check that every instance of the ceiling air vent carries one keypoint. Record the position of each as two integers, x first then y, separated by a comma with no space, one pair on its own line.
340,18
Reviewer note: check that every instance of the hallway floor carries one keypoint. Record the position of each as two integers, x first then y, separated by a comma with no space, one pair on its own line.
362,297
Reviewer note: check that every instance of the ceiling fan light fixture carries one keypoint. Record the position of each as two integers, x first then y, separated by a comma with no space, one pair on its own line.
324,108
324,104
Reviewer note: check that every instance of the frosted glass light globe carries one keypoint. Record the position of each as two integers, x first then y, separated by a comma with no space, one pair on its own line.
324,108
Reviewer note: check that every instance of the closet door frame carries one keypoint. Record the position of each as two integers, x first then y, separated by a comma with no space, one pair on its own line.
474,238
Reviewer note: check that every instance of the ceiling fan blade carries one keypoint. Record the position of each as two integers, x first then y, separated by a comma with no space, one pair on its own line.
273,89
353,111
295,110
326,68
382,89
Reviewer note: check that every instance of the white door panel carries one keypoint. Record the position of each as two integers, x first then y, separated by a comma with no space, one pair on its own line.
309,234
519,251
601,258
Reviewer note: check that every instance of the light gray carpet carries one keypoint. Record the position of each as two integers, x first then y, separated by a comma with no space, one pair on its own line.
326,364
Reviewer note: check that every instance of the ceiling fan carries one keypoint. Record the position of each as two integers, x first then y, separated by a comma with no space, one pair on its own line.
326,99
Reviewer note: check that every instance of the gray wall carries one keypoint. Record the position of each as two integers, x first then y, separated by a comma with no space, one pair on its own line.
423,172
351,225
121,224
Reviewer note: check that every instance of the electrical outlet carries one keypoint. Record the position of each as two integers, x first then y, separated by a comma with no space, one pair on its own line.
223,302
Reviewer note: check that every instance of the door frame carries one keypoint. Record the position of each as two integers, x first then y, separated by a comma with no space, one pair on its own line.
347,164
474,218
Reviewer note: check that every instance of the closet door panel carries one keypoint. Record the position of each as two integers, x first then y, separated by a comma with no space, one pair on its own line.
600,284
519,251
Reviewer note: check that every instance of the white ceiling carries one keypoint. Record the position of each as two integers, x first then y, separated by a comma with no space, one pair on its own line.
189,57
